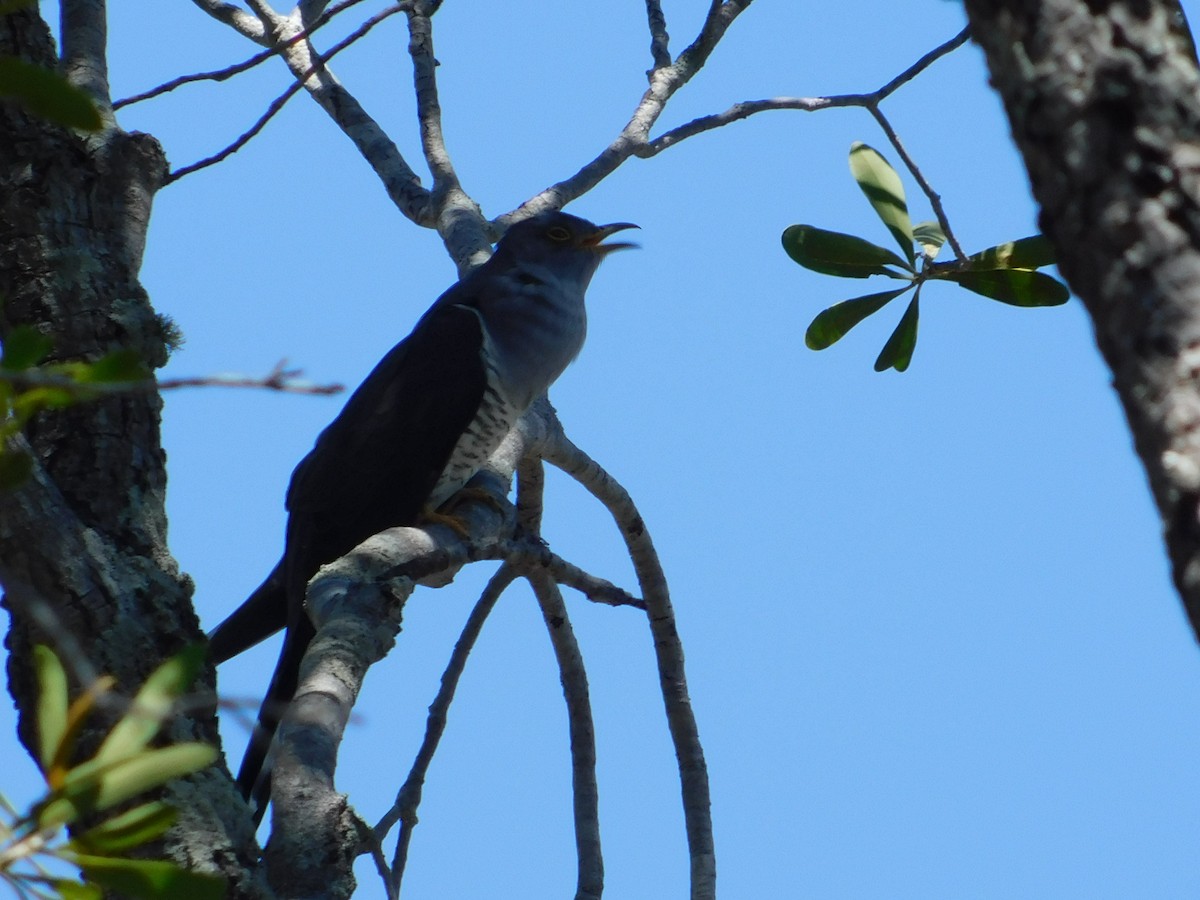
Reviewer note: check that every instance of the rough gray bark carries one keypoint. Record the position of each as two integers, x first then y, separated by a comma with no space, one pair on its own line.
1104,102
86,536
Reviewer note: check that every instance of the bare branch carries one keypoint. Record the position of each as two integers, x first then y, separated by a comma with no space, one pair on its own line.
529,558
84,41
408,798
660,49
458,218
429,110
582,728
278,103
559,451
380,152
716,23
590,878
278,379
236,69
634,141
375,848
236,18
664,83
922,64
744,110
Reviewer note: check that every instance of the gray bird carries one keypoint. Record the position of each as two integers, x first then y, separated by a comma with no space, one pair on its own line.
421,425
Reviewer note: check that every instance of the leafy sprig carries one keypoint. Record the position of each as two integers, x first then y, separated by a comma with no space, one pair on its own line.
1006,273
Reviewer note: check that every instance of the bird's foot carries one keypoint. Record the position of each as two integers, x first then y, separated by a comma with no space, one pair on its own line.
444,514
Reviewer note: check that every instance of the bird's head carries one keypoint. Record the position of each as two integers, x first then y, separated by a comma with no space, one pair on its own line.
565,243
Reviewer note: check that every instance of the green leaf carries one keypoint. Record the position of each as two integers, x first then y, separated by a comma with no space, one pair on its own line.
831,325
1018,287
74,890
52,704
834,253
47,94
25,346
15,468
93,787
153,703
897,352
1026,253
149,878
30,401
930,236
130,829
120,365
883,188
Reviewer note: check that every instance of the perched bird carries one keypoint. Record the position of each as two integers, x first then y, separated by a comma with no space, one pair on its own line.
424,421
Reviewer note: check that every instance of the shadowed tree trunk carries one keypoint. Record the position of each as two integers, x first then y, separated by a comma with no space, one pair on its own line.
83,540
1104,103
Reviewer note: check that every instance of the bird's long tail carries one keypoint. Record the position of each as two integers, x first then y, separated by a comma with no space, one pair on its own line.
264,613
254,779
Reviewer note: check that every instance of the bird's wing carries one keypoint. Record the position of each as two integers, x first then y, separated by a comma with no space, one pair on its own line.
377,462
373,468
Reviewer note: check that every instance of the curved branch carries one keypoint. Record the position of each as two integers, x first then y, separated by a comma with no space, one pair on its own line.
408,798
693,773
573,675
582,728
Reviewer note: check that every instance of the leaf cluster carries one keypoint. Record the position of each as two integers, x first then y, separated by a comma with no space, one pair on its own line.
124,767
1006,273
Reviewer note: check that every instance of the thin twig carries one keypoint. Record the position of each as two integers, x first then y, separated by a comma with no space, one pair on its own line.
375,848
408,798
923,63
744,110
237,68
278,379
278,103
747,108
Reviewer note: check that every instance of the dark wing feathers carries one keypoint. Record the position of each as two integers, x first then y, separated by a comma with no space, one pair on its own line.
373,468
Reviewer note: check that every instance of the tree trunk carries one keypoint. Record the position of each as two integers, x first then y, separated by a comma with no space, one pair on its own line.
83,554
1103,98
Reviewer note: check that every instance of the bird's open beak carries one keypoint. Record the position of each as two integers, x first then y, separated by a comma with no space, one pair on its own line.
593,241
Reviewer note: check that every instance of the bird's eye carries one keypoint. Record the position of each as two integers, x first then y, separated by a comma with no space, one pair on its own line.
558,233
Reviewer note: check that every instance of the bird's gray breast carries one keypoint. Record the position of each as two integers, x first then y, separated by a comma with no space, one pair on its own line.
533,326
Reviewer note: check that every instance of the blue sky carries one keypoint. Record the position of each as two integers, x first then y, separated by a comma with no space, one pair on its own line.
933,647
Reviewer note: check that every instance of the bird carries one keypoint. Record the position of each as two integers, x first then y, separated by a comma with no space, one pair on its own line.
416,430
